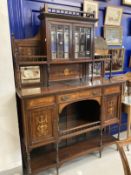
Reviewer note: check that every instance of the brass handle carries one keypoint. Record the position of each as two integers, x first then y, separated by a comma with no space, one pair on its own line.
94,93
64,98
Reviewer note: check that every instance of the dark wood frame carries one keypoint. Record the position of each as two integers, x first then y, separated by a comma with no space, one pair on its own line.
114,24
119,31
126,3
130,62
116,59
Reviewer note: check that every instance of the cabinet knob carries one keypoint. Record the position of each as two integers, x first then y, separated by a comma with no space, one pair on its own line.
64,98
94,93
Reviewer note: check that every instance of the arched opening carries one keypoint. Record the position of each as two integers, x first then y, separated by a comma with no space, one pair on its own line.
79,114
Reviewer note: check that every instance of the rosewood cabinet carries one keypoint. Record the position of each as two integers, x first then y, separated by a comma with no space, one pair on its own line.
69,123
64,102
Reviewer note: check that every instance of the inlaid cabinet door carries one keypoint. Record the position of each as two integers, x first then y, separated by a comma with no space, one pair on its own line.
41,125
111,108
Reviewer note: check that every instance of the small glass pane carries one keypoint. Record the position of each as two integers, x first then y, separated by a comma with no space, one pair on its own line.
53,41
82,42
66,42
60,41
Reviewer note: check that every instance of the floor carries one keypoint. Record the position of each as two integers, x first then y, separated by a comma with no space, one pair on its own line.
109,164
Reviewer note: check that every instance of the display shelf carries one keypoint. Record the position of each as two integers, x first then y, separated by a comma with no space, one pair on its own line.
27,63
77,127
41,160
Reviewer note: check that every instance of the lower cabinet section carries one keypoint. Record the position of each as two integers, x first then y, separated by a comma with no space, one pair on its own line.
67,126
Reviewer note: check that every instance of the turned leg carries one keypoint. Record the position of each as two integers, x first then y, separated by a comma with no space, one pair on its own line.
57,158
100,151
28,162
128,124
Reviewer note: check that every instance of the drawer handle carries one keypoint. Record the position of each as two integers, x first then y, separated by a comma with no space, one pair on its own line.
64,98
95,93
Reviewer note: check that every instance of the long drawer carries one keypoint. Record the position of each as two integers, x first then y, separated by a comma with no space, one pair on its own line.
79,95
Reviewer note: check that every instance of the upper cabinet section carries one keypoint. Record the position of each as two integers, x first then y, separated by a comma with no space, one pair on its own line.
67,35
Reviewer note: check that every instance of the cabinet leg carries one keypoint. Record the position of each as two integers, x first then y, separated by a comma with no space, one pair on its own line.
129,125
29,167
100,151
118,132
57,158
128,149
57,170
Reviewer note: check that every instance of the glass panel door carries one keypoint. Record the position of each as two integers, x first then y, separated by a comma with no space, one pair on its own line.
60,41
82,42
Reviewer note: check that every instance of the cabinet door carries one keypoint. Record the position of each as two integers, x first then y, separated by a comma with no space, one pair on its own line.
41,125
60,40
82,36
111,109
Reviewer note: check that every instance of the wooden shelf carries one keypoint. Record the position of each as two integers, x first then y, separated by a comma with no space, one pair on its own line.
41,161
77,127
32,63
29,63
84,147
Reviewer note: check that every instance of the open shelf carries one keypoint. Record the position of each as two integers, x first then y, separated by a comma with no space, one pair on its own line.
42,160
84,147
77,127
29,63
78,118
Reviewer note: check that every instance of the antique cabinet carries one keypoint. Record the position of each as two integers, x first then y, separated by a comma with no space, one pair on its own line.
64,102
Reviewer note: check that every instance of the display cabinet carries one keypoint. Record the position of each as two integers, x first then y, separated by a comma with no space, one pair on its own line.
64,102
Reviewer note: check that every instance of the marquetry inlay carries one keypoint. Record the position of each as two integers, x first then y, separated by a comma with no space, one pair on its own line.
110,107
42,125
66,72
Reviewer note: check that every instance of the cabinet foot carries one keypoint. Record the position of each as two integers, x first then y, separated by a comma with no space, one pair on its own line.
128,149
57,171
100,154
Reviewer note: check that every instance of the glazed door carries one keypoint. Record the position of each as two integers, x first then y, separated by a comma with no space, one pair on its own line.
60,40
82,36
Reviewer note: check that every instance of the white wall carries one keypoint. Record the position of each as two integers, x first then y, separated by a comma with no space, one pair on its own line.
10,155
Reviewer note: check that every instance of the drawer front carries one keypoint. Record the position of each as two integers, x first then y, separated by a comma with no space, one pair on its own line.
112,90
45,101
90,93
79,95
68,97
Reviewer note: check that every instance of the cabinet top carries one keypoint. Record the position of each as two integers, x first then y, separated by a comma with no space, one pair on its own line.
48,12
67,87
